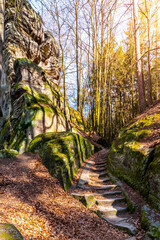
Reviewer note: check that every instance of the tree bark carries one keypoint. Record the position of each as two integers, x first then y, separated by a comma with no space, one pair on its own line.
157,74
142,101
77,58
149,85
2,3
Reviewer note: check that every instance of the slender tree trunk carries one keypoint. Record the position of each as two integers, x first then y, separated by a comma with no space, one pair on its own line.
104,99
77,57
62,63
101,75
81,80
97,67
141,91
157,77
93,67
149,85
2,6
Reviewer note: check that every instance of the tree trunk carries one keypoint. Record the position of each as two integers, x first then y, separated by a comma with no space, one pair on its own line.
141,91
77,57
149,85
157,74
2,3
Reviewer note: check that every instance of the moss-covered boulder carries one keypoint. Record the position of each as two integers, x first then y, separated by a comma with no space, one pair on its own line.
8,153
149,223
62,154
9,232
135,157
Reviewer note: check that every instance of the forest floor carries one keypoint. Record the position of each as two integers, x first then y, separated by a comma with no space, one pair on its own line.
37,205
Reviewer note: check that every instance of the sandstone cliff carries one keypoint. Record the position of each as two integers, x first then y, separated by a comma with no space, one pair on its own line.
31,102
135,155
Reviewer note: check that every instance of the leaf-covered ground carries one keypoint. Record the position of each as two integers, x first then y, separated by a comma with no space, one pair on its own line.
36,204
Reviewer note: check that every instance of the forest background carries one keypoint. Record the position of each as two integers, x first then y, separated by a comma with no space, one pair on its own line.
109,54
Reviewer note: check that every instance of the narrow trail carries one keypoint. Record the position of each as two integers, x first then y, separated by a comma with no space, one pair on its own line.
95,188
102,196
40,209
37,205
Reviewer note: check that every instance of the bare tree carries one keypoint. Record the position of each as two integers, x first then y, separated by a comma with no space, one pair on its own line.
2,3
142,101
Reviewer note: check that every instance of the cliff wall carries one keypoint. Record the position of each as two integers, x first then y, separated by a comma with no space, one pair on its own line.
31,102
135,155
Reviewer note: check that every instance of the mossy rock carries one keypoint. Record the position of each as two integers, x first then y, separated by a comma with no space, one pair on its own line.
36,107
8,153
9,232
149,224
136,163
62,153
35,115
40,139
78,119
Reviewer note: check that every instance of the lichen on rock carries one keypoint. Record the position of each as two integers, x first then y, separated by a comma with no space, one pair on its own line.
62,153
9,232
31,102
136,159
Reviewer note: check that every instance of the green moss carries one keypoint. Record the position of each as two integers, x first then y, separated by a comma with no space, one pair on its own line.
151,226
155,165
28,63
39,140
134,162
87,200
8,153
9,232
78,119
62,153
35,107
145,122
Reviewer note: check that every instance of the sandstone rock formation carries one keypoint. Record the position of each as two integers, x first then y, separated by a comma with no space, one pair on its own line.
31,102
135,156
9,232
62,154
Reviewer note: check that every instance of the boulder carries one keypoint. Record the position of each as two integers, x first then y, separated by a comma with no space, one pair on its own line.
62,153
9,232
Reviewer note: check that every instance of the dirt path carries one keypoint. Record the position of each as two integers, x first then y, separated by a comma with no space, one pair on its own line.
36,204
103,196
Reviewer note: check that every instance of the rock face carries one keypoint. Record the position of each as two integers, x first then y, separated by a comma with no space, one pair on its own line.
31,102
9,232
62,154
135,156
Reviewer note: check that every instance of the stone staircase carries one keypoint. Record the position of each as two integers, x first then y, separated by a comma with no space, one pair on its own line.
97,192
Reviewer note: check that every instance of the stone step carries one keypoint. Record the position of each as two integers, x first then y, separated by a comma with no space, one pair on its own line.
107,193
111,211
101,163
95,164
104,199
87,199
111,201
102,174
121,223
98,170
106,179
105,187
